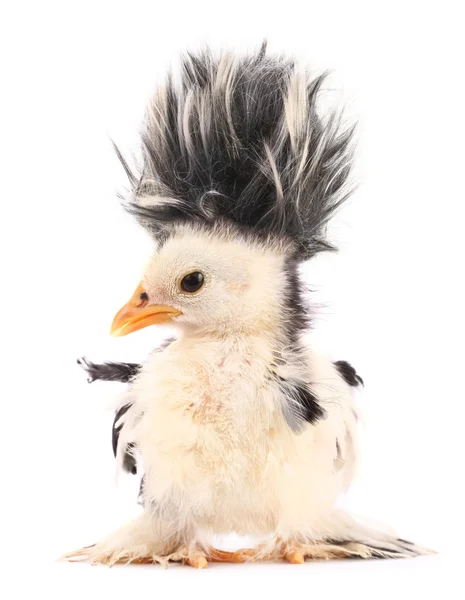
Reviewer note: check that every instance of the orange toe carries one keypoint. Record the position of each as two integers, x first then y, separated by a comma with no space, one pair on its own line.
239,556
294,557
198,561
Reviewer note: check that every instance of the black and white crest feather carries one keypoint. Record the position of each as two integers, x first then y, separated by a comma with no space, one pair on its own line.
241,140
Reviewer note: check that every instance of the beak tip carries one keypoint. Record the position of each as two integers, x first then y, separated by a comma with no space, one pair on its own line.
116,331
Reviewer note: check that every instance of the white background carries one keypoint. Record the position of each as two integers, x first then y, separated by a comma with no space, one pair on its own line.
391,302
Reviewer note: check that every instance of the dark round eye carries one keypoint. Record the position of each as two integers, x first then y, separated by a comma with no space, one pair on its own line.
192,282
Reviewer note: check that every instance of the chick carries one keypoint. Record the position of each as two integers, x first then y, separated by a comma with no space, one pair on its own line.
237,424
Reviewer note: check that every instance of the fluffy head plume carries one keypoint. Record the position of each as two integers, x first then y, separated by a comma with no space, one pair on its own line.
240,140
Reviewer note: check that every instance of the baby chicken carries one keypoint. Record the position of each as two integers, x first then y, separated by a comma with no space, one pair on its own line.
238,424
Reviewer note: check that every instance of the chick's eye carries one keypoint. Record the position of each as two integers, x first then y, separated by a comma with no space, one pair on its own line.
192,282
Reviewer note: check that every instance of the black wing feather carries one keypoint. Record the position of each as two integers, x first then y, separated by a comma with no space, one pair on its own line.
109,371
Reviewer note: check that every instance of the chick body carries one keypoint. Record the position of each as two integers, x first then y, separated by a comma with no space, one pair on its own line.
219,456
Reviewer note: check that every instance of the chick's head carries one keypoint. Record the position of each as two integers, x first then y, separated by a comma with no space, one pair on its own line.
211,281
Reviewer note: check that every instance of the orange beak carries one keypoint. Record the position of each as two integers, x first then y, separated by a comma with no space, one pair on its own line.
138,313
